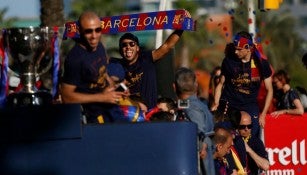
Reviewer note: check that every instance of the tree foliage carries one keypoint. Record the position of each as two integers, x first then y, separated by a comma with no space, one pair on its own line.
5,23
275,31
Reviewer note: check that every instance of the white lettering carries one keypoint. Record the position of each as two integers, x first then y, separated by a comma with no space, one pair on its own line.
280,172
285,153
271,154
302,153
294,152
132,22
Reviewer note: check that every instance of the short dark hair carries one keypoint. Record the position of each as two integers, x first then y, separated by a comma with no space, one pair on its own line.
161,116
282,76
170,103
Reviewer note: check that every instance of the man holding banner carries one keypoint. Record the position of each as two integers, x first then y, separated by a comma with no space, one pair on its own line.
139,65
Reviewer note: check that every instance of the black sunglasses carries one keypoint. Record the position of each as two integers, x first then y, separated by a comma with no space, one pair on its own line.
125,44
88,31
244,126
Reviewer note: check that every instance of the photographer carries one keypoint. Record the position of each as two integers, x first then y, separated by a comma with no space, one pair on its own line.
198,112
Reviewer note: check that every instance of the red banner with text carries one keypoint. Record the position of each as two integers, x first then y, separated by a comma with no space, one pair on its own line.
285,141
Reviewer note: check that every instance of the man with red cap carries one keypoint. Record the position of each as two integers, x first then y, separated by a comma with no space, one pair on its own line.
242,74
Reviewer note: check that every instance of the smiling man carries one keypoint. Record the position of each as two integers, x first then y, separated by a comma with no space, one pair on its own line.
85,78
139,65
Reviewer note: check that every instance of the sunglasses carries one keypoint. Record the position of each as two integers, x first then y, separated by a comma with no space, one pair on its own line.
244,126
88,31
125,44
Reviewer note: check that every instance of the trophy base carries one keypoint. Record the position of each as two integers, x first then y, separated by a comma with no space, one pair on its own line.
23,99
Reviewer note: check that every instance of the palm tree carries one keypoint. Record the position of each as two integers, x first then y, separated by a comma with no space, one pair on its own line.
5,23
52,13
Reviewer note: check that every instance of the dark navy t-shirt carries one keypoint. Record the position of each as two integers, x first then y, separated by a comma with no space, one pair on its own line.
141,78
287,99
242,84
87,71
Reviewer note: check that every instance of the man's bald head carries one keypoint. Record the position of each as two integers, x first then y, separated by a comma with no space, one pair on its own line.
87,16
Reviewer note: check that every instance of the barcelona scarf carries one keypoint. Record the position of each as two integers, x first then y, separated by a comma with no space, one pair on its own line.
241,169
172,19
55,48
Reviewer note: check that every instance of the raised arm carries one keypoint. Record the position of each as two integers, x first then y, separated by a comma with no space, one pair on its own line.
167,45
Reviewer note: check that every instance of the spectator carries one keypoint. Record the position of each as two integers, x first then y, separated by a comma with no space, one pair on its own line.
290,102
85,78
139,65
257,157
167,104
237,156
241,78
162,116
186,89
222,141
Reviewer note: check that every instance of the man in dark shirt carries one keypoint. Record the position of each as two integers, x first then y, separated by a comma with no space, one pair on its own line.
139,65
85,78
257,157
242,74
223,142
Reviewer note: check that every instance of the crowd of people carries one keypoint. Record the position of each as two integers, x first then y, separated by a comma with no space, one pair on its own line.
228,122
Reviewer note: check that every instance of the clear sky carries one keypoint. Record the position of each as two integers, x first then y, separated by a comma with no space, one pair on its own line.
21,8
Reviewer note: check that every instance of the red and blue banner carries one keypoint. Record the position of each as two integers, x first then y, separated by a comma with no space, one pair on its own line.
172,19
56,61
285,141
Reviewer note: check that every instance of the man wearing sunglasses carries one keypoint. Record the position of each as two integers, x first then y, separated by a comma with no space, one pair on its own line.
85,78
257,157
139,65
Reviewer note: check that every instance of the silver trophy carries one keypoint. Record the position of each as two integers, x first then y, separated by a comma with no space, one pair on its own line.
30,56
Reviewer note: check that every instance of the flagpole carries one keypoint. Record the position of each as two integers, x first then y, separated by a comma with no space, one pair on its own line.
252,17
159,33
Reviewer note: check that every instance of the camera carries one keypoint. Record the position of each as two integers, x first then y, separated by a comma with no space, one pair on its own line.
183,104
122,87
